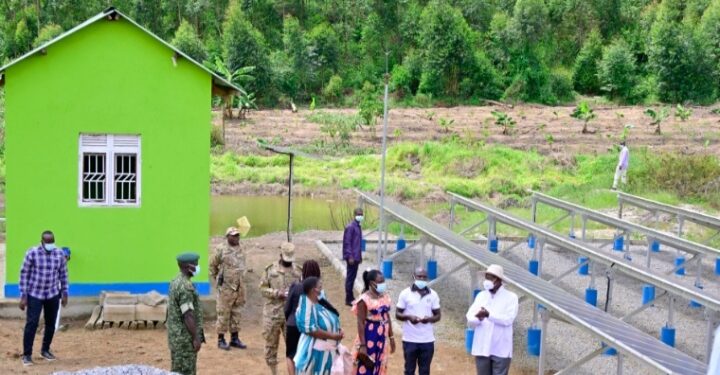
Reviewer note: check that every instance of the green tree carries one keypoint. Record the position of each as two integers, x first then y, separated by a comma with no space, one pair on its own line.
324,48
585,74
47,33
616,71
710,32
679,57
297,49
445,42
23,38
371,107
186,40
244,45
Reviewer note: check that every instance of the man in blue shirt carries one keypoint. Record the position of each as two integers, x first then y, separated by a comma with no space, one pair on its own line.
352,253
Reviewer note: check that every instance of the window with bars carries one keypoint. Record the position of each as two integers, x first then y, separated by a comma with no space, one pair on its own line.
109,170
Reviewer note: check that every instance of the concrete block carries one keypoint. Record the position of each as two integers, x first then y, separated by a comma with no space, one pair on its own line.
105,295
151,313
151,298
118,313
97,310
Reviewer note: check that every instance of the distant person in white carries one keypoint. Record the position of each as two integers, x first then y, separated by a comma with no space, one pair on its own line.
418,308
492,315
622,166
714,365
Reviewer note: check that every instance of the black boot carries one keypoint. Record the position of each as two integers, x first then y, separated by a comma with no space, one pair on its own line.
235,341
221,342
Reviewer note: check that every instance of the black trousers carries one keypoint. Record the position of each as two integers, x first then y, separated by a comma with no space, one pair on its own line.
34,307
420,355
350,281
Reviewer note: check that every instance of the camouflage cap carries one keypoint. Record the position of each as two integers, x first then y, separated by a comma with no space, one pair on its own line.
188,257
287,252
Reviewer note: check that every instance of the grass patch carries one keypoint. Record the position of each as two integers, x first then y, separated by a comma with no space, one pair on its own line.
490,171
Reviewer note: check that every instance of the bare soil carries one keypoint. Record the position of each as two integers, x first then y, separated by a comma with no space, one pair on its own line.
78,348
550,130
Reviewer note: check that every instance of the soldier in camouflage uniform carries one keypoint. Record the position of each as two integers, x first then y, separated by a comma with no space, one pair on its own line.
227,267
185,317
275,284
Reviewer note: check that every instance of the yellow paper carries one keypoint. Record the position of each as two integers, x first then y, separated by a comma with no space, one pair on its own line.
243,226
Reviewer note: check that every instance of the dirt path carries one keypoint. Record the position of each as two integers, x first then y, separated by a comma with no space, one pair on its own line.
78,348
550,130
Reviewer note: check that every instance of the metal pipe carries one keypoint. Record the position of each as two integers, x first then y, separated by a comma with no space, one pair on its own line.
584,227
448,274
569,369
649,252
620,208
572,224
534,209
619,364
540,244
568,271
561,218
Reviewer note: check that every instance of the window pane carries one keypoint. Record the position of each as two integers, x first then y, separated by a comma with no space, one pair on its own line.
125,178
93,177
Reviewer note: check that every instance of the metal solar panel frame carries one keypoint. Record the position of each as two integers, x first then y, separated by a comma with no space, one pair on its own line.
616,333
708,221
651,234
621,265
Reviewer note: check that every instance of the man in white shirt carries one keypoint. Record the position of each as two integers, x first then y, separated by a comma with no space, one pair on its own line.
622,166
418,308
492,315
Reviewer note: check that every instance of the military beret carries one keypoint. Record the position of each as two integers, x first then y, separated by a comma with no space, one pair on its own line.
187,257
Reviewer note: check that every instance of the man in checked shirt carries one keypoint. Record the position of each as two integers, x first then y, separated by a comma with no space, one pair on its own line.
43,286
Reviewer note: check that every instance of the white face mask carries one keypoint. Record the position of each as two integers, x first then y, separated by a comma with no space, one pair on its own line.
359,218
197,270
49,246
488,285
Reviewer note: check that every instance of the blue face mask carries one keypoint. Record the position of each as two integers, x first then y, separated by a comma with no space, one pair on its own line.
421,284
381,288
49,246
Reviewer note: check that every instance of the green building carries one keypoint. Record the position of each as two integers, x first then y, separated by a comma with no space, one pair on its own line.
107,145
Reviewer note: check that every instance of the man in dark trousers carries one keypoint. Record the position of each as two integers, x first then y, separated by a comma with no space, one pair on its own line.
352,253
43,287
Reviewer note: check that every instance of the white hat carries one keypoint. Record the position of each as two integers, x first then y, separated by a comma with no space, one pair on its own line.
496,271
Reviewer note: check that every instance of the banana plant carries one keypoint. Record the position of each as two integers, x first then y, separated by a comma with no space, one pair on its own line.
657,117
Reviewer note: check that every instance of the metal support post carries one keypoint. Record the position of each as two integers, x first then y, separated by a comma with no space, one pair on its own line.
540,246
627,255
620,208
619,364
452,214
681,222
584,227
545,317
611,285
572,225
534,209
649,251
710,318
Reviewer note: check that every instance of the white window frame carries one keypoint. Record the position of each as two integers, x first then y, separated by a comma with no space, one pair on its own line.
109,145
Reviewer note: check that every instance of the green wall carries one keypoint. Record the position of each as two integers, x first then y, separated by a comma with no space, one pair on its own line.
110,77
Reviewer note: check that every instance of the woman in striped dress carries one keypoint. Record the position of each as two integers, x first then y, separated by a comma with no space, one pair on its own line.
319,324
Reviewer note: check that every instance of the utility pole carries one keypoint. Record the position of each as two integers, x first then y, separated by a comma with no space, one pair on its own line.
382,243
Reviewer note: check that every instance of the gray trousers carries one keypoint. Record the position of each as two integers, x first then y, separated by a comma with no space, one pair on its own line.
492,365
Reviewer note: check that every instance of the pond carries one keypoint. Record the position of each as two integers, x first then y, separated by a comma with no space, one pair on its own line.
268,214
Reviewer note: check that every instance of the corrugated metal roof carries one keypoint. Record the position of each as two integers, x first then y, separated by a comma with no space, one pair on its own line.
106,14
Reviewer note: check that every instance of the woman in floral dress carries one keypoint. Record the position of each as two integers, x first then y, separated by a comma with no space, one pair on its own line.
375,339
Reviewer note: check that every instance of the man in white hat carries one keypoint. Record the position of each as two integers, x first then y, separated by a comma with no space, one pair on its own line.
492,315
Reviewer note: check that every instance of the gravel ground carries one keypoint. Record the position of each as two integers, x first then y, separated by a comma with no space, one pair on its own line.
566,342
119,370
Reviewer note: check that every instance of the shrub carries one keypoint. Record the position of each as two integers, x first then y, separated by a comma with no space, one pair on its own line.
216,136
334,89
504,121
682,112
561,83
400,80
370,104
